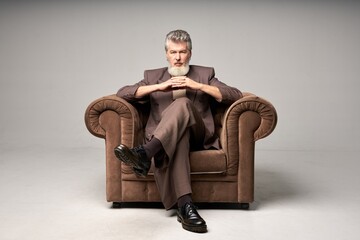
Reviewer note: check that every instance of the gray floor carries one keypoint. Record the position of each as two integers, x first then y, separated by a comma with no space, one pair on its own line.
59,194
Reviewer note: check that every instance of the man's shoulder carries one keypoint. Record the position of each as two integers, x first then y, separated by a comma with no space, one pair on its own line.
202,69
156,70
155,73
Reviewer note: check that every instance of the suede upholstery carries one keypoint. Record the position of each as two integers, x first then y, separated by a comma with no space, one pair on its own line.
225,175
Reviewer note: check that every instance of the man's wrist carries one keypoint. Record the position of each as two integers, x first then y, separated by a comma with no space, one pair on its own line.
201,86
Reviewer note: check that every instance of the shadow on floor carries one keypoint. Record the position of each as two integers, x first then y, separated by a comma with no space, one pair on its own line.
272,186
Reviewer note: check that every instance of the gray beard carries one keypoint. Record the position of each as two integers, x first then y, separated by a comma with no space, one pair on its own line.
179,71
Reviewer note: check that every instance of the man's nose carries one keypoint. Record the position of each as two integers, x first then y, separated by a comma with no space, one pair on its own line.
177,57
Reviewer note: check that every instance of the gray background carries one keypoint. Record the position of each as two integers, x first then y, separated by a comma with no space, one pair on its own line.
58,56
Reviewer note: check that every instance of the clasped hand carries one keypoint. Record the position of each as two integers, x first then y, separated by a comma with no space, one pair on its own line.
179,83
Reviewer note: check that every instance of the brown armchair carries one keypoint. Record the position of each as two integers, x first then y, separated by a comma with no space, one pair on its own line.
218,176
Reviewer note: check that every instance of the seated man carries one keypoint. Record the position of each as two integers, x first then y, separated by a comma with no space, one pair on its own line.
180,121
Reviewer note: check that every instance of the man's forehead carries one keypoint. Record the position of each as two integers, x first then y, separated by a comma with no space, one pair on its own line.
178,45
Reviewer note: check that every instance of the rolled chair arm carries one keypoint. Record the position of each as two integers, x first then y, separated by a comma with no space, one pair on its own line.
117,121
264,108
246,121
253,103
126,112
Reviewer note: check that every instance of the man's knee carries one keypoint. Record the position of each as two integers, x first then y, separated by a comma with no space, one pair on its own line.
180,107
182,103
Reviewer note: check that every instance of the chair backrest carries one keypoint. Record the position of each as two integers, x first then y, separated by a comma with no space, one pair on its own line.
143,110
218,110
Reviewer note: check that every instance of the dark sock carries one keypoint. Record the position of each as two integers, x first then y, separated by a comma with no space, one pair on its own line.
152,147
183,200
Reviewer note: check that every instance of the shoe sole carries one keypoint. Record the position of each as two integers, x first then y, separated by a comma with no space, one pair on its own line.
121,153
139,172
197,229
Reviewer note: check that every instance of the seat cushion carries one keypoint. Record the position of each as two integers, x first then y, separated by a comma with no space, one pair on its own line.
201,162
208,162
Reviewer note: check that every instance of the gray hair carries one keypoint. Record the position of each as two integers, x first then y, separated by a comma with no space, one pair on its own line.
178,36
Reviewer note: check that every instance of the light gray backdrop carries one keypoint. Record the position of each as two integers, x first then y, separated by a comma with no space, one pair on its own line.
58,56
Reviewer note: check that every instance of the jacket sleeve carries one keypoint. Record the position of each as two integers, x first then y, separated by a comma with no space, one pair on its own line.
229,94
128,92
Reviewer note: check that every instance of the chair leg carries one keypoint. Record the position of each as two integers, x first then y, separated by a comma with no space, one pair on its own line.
116,205
244,206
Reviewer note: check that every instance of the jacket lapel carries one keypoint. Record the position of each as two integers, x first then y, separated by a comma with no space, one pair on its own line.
165,76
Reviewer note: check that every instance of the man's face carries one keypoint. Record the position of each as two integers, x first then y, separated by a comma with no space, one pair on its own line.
178,54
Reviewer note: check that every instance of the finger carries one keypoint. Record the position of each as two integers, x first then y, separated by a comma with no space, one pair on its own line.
179,78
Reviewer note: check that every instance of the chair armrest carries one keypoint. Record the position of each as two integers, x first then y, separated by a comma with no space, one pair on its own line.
246,121
117,121
253,103
264,108
128,116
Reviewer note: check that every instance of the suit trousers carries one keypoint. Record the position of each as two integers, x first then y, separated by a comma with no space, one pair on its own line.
180,130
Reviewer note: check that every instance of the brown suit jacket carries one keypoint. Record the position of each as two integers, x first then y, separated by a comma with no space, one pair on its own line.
159,101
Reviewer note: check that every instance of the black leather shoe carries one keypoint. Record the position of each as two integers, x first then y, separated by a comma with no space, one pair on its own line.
135,157
190,219
140,172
